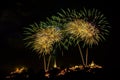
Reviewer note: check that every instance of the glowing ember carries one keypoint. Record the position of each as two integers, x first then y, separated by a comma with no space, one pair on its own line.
93,65
73,68
47,74
55,65
18,70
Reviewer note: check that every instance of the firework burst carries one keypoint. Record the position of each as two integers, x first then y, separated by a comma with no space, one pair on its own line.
45,39
80,29
99,23
29,33
91,26
42,37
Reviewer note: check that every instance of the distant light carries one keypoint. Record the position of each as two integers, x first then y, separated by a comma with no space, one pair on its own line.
47,74
55,65
93,65
19,70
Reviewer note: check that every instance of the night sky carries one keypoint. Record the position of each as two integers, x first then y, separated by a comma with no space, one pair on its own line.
20,13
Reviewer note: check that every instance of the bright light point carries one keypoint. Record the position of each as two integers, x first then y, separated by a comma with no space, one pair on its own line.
19,70
93,65
55,66
47,74
76,66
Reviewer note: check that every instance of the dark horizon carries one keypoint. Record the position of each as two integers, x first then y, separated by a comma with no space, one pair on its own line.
18,14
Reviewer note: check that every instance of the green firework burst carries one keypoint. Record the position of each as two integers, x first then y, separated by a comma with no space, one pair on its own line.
59,23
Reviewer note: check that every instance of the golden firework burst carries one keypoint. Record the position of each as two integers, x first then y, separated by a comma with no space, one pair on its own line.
45,39
80,29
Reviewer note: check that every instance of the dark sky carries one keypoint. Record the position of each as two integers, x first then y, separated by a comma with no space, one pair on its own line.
18,14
